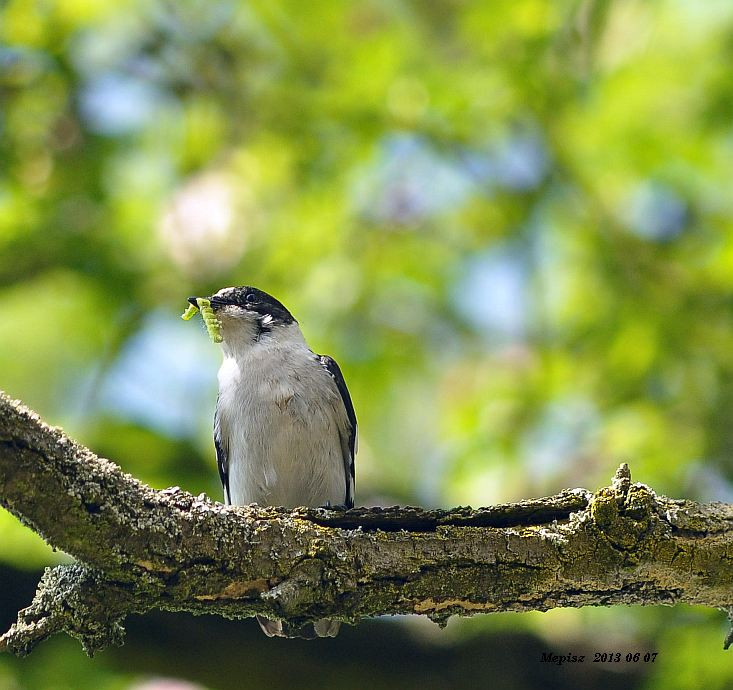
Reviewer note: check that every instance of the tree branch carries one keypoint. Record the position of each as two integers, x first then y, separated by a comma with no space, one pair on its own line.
140,549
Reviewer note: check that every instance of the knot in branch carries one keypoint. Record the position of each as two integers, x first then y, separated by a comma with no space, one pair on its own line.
297,592
624,512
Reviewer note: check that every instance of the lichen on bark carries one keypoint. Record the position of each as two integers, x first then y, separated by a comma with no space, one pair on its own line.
138,549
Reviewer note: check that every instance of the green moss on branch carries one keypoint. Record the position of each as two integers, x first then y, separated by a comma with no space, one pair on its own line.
140,549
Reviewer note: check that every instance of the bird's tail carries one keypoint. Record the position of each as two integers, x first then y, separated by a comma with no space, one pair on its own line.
310,631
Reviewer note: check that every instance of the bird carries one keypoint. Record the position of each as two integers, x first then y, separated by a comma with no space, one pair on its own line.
285,430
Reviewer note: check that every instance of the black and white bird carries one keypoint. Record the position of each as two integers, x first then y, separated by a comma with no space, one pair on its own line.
284,427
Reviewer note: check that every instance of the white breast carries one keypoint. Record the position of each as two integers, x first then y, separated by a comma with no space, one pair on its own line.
282,416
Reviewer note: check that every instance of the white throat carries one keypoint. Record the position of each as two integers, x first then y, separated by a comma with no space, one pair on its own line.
243,338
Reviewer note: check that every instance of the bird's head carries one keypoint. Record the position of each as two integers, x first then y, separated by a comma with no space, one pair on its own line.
249,316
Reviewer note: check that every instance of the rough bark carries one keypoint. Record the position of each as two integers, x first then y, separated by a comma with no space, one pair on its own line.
140,549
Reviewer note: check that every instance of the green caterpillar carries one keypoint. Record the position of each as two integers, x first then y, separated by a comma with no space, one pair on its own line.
213,326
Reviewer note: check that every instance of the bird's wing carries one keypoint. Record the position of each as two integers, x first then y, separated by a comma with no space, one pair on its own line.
221,443
348,441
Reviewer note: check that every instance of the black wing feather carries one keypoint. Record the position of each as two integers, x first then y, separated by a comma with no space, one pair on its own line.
222,454
329,364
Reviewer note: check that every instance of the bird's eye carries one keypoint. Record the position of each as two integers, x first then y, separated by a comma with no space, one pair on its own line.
251,297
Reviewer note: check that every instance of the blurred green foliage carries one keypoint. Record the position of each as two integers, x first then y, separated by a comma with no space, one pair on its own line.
510,222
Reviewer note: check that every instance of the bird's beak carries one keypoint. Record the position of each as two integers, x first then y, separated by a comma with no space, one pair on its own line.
192,300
